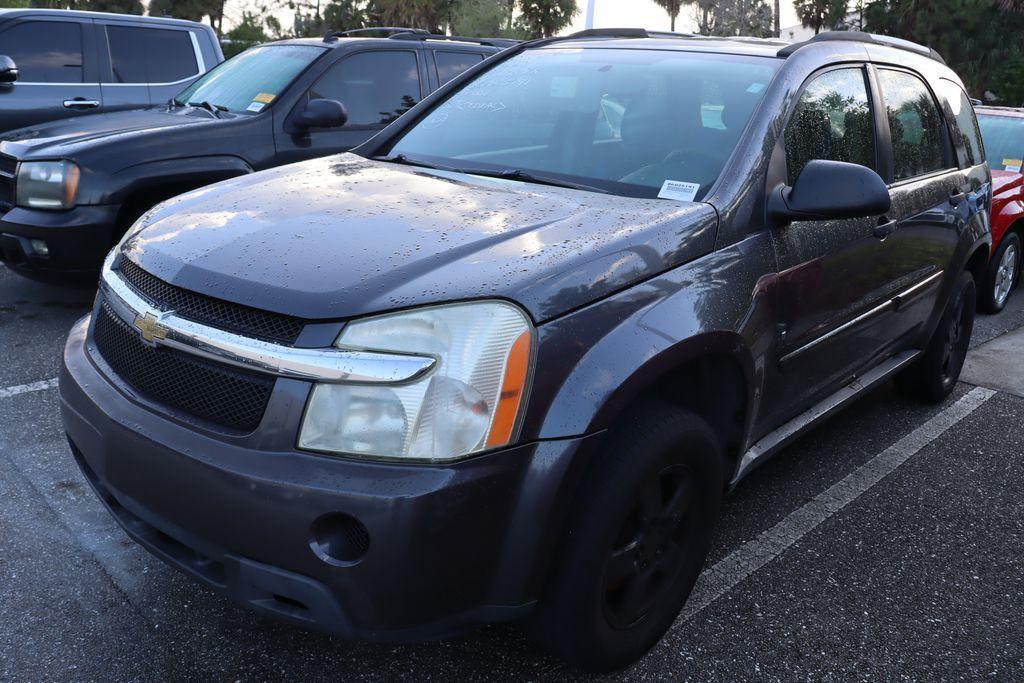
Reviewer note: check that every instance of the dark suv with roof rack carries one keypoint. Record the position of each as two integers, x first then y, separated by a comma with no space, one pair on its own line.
503,361
70,188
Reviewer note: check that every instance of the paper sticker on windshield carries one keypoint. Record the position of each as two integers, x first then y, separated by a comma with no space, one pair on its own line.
563,86
264,97
755,88
1013,165
678,190
255,106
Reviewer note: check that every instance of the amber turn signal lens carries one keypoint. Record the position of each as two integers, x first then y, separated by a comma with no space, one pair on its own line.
513,385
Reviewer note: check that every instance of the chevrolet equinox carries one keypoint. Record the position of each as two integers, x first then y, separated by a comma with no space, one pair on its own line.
504,360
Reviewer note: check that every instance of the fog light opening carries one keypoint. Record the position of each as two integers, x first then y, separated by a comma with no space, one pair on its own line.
39,247
339,539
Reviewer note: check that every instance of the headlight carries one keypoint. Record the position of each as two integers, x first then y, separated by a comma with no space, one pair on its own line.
469,402
47,184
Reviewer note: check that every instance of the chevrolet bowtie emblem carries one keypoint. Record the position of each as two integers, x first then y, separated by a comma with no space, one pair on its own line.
150,327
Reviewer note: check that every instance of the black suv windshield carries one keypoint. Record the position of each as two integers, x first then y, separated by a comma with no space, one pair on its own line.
632,122
252,80
1004,141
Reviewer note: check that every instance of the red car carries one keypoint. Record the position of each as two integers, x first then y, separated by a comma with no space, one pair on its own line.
1002,129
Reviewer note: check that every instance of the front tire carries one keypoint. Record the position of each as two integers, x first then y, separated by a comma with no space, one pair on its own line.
636,540
934,375
1002,275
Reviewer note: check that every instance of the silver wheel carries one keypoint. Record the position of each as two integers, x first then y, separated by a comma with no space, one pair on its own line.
1006,275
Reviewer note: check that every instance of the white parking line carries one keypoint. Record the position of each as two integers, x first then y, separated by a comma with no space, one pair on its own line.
718,580
41,385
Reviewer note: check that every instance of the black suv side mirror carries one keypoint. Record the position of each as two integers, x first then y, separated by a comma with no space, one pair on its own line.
322,114
829,190
8,70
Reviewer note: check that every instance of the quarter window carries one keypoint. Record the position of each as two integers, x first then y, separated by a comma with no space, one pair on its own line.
832,121
914,124
45,51
150,55
966,122
451,64
375,87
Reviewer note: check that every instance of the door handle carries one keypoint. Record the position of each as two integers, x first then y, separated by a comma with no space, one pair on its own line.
957,197
884,229
81,103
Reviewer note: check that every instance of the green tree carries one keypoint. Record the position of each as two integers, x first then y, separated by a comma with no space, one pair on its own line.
432,15
979,39
545,18
734,18
820,14
193,10
490,18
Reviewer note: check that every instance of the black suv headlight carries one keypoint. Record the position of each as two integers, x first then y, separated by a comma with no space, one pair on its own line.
47,184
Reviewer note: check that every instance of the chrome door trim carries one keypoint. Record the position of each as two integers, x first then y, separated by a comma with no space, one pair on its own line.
894,303
319,365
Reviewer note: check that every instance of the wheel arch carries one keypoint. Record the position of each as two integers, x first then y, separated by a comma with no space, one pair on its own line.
142,186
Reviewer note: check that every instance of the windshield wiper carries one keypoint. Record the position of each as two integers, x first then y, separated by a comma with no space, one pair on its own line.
520,174
402,159
213,108
505,174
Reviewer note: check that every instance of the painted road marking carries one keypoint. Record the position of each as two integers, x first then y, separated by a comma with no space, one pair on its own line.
718,580
41,385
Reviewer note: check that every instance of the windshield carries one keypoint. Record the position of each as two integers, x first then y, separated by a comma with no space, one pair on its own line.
640,123
1004,141
250,81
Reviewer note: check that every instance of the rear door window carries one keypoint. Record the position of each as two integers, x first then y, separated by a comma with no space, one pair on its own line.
451,64
914,124
45,51
376,86
832,121
150,55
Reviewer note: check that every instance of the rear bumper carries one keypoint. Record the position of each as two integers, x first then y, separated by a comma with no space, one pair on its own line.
76,240
448,546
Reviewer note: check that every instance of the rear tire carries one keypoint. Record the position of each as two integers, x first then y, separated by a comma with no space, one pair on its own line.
1002,275
636,540
934,375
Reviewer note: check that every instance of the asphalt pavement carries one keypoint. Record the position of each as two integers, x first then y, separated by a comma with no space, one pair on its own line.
887,544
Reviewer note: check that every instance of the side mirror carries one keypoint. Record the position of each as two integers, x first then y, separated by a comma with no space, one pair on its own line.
322,114
8,70
830,190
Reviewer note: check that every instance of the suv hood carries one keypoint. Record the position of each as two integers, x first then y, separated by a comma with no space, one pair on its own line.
67,137
344,236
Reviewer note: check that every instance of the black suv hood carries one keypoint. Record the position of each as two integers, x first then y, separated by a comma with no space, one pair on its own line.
66,138
344,236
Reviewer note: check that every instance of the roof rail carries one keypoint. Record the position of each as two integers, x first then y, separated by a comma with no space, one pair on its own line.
861,37
424,35
332,36
627,33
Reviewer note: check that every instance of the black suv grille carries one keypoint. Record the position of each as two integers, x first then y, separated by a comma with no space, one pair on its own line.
223,395
8,169
224,315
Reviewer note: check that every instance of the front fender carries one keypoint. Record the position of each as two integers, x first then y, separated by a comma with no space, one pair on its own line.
592,364
192,172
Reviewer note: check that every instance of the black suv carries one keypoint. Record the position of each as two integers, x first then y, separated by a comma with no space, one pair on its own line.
56,64
504,360
69,189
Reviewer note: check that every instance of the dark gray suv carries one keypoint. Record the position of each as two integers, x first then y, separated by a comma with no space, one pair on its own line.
58,63
504,361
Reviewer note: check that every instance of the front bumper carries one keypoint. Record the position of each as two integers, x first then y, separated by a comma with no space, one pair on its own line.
77,240
449,546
